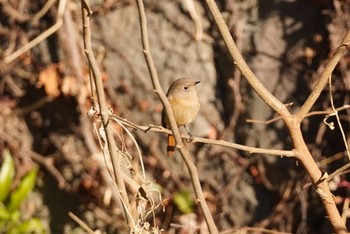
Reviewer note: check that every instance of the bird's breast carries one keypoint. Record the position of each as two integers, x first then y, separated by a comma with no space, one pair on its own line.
185,109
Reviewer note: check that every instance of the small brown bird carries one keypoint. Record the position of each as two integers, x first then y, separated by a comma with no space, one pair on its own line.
184,101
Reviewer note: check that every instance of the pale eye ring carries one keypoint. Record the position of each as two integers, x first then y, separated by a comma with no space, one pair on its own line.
186,87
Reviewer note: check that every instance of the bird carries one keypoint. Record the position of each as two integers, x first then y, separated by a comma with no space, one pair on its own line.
184,101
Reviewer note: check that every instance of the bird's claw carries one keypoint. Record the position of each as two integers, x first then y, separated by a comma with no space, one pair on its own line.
190,139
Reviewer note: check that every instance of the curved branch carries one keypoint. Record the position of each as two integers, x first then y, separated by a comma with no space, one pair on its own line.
259,88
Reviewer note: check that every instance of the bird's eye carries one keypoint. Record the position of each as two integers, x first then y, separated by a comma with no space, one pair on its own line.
186,88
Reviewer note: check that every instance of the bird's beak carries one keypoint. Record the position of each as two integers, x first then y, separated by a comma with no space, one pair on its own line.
196,82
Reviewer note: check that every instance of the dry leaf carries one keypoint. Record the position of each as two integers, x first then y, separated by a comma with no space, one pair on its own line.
49,79
69,86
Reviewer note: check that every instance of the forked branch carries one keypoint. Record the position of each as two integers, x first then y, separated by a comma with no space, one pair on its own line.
292,121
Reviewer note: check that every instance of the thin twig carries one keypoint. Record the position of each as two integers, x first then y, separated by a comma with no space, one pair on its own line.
267,122
81,223
196,17
183,151
345,211
42,36
43,11
97,82
259,88
313,113
252,150
335,112
252,230
323,79
48,162
13,13
143,178
338,172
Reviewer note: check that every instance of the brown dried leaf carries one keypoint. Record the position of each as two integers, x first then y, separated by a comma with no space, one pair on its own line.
69,86
49,79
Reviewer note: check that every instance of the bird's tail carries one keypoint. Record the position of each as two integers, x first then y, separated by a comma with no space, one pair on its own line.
171,146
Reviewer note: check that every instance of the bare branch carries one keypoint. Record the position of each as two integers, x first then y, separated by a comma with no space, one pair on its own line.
259,88
184,153
337,117
292,121
313,113
98,84
252,150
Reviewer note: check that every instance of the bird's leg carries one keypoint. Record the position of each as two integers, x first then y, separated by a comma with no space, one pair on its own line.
188,132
